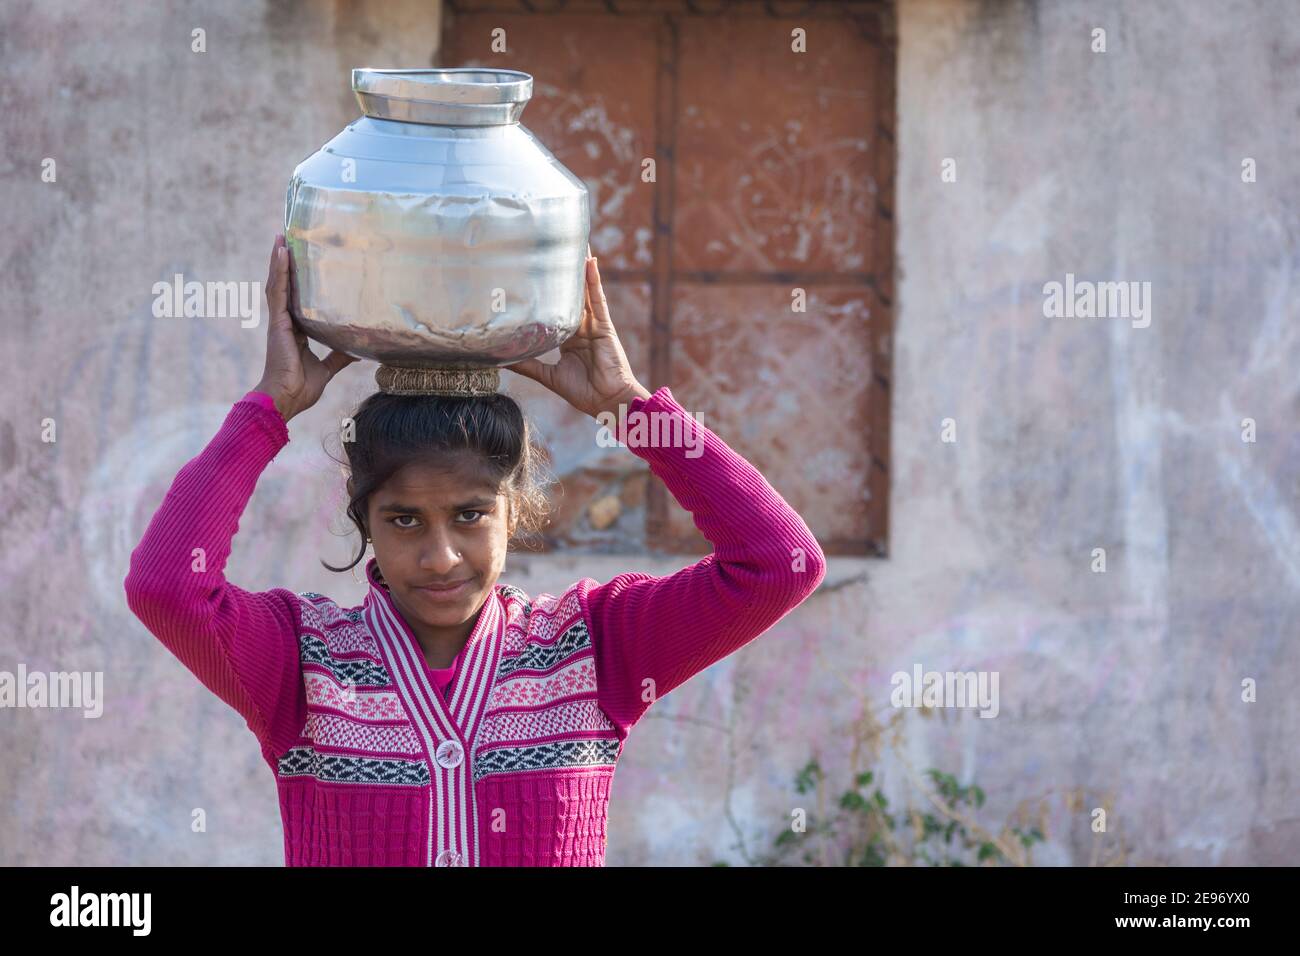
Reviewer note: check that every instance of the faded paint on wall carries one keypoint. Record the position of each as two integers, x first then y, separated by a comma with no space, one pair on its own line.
1072,434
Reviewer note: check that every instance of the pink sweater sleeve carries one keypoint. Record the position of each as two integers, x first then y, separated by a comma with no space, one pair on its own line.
242,645
650,634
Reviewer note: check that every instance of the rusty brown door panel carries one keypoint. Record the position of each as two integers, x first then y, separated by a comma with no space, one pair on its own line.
773,181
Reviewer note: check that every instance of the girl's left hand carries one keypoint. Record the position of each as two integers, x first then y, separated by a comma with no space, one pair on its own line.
593,374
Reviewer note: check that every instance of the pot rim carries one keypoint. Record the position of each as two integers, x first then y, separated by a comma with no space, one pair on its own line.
448,86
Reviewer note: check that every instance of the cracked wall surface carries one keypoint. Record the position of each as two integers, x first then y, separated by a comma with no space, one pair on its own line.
1120,688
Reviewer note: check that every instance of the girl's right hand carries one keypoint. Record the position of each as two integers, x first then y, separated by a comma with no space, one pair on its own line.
294,377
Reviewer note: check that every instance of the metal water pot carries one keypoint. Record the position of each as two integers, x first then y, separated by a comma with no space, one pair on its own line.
436,230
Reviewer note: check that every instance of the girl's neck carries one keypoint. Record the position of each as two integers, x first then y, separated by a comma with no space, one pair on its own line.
441,645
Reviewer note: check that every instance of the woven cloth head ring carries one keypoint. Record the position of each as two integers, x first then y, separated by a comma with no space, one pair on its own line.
457,382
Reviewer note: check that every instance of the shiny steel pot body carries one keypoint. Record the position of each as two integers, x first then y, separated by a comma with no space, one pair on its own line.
436,230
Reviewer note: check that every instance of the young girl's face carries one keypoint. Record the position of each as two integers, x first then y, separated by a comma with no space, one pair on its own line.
434,526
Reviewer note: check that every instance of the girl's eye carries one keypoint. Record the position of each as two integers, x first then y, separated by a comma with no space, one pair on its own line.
479,515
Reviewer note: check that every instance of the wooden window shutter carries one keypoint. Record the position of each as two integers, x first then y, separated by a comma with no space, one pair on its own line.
774,182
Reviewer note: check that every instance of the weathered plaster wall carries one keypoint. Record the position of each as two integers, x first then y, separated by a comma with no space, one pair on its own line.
1075,434
1072,434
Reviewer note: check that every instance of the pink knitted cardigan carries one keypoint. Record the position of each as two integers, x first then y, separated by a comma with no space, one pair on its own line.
377,764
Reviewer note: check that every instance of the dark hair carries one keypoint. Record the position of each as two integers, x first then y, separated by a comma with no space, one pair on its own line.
390,432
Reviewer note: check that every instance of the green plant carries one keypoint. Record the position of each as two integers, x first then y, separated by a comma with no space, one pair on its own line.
859,827
866,832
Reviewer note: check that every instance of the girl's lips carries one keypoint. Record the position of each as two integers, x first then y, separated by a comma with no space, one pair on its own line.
442,594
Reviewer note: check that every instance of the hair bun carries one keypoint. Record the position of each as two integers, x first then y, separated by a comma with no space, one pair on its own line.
459,382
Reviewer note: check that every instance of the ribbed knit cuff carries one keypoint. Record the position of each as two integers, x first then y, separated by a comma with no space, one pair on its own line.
263,399
268,416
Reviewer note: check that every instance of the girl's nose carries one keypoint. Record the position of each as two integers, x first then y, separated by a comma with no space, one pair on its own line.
441,557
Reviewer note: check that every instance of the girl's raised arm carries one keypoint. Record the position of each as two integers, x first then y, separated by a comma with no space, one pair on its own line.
650,634
242,645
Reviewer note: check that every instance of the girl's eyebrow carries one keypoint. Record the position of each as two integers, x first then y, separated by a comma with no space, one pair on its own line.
396,508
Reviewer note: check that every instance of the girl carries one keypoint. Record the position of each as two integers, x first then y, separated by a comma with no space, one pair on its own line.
450,719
